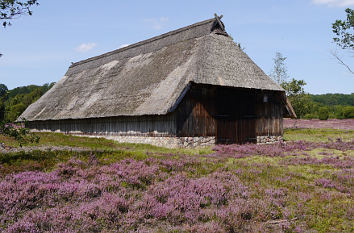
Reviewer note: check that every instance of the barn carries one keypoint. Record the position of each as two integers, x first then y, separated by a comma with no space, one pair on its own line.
189,87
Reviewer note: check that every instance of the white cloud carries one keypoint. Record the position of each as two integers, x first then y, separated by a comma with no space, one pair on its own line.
123,45
335,3
85,47
157,23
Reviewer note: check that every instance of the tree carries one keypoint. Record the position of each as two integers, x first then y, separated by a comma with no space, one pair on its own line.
10,9
344,36
300,100
2,110
3,98
348,112
3,90
344,31
279,72
19,98
294,87
323,113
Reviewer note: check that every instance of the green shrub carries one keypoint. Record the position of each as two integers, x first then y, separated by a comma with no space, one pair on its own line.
344,112
310,116
20,134
348,112
323,113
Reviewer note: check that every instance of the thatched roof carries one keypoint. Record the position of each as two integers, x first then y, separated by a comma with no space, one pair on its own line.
148,77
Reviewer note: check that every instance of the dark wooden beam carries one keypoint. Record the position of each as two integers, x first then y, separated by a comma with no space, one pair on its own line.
219,21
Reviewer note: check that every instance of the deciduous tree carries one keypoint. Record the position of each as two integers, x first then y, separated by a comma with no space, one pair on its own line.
3,98
300,100
344,31
10,9
344,36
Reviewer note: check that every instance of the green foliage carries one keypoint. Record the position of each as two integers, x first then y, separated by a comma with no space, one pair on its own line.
334,99
18,99
300,101
337,111
15,111
302,104
323,113
343,29
340,111
3,98
21,135
28,89
3,90
2,110
294,87
348,112
310,116
9,9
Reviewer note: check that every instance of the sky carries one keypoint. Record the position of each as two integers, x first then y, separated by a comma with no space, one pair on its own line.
39,49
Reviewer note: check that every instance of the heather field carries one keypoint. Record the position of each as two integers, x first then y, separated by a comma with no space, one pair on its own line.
346,124
76,184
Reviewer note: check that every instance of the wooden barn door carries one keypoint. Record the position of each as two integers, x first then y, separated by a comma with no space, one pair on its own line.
235,117
226,130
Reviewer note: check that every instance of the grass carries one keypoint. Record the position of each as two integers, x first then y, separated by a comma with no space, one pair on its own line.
325,209
301,179
318,135
59,139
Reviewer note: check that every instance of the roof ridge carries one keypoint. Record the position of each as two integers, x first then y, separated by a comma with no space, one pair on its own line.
164,35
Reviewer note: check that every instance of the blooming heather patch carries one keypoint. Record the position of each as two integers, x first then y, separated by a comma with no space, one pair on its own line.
133,195
347,124
285,187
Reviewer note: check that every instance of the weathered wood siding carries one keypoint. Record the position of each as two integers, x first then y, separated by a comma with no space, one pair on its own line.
195,114
233,115
269,115
134,126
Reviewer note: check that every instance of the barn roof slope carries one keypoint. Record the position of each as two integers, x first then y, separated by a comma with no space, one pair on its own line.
148,78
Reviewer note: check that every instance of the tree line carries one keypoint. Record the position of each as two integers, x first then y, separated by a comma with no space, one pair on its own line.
14,102
340,106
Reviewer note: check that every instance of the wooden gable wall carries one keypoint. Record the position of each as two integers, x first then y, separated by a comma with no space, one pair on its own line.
233,115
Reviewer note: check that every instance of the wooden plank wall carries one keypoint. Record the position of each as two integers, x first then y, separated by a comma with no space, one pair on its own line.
134,126
233,115
269,115
195,114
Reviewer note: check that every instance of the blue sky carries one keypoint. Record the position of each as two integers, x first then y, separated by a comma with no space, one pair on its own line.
38,49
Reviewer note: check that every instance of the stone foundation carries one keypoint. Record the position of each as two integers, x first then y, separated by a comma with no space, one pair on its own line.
181,142
268,139
169,142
